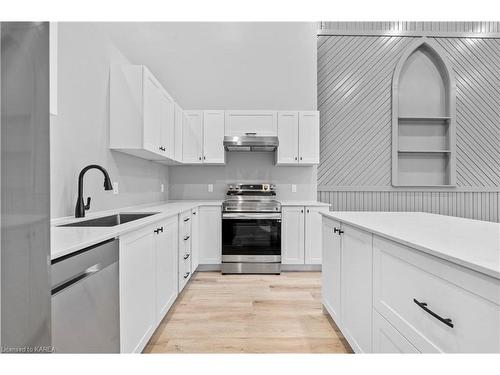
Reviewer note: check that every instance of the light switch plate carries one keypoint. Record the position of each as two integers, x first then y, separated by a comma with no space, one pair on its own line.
116,189
294,188
162,188
210,188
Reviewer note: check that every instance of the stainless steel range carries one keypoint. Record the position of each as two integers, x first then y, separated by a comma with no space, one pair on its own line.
251,229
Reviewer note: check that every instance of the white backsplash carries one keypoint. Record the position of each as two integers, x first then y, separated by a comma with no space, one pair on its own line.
191,182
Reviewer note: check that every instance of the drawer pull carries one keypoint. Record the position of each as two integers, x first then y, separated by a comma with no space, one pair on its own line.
186,219
186,256
338,230
186,275
186,238
424,307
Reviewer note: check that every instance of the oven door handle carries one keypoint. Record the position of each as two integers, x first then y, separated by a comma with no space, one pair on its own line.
247,215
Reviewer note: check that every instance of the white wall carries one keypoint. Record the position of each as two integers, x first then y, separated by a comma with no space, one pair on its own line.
253,65
191,182
227,65
79,133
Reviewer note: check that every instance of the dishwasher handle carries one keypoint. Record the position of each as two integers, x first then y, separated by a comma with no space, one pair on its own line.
73,280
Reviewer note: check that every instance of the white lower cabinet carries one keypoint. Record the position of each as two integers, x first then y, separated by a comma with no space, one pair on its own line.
301,235
210,233
437,306
166,255
148,281
330,275
184,248
137,289
396,299
356,287
386,339
195,239
292,235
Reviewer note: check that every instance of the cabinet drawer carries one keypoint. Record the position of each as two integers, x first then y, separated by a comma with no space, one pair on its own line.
185,224
416,292
184,245
184,271
386,339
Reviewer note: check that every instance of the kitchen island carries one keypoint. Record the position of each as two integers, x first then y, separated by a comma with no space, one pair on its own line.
412,281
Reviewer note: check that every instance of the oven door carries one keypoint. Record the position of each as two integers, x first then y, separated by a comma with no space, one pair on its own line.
251,237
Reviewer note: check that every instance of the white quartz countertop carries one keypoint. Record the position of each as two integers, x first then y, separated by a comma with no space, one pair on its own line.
305,203
470,243
66,240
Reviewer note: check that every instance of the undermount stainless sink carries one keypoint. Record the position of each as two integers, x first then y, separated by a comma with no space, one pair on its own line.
110,221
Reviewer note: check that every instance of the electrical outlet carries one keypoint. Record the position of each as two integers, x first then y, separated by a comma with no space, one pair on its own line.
162,188
210,188
116,189
294,188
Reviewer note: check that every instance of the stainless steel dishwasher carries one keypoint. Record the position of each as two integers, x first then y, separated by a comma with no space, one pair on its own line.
85,300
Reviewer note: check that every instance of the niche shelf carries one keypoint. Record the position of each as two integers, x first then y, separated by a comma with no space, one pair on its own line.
423,118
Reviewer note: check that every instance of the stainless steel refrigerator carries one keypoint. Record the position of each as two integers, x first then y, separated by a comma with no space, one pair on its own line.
25,193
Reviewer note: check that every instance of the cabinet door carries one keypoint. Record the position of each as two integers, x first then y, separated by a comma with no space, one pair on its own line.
166,267
179,120
292,235
309,137
356,288
137,289
213,137
386,339
167,124
210,251
330,271
313,248
288,134
239,123
151,114
192,138
195,239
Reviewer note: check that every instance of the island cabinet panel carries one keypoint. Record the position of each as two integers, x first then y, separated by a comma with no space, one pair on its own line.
330,275
386,339
356,288
438,306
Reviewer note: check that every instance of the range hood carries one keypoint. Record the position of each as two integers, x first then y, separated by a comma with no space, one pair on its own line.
251,142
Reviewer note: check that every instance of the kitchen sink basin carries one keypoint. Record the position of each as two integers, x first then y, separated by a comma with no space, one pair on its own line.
110,221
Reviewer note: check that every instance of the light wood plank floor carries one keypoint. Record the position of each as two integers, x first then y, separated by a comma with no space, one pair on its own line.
249,314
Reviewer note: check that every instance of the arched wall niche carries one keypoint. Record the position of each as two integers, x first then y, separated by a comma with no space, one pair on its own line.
423,117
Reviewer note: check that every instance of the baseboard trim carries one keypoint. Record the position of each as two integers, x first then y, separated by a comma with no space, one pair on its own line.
301,267
284,267
209,267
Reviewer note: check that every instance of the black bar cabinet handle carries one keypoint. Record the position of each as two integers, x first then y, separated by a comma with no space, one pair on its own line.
186,256
186,238
186,219
424,307
186,275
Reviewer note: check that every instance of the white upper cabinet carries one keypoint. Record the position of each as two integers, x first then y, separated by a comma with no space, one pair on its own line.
167,125
262,123
151,109
141,114
309,137
179,120
298,134
288,134
213,137
192,138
